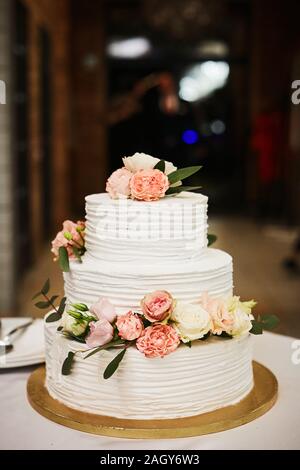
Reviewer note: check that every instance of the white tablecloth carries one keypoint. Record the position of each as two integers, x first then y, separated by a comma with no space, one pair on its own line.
24,428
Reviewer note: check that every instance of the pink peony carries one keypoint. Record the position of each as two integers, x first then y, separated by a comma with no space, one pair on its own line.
217,309
149,185
101,332
157,306
71,235
158,341
130,326
118,183
104,309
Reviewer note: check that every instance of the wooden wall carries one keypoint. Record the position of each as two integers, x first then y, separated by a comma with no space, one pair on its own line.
54,16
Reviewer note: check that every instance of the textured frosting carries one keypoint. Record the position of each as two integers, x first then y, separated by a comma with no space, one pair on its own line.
127,230
190,381
134,248
125,284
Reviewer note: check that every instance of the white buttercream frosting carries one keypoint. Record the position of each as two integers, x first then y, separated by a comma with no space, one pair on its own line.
134,248
125,230
209,375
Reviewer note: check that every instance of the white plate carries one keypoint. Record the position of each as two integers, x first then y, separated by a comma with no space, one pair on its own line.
28,344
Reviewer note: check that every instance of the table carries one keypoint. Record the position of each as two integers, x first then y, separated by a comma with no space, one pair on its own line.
23,428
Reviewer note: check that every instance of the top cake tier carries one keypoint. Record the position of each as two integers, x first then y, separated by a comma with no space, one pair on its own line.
125,230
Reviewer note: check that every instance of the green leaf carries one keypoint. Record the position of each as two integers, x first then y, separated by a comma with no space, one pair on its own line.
223,335
63,259
161,165
78,339
269,321
46,287
36,296
43,304
188,344
77,253
205,337
67,364
62,306
183,173
113,365
211,239
55,316
110,345
257,328
179,189
59,328
53,299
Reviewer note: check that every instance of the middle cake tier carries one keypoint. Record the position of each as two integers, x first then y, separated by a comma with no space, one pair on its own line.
125,284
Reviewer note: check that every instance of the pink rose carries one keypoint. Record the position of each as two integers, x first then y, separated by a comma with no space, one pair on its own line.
149,185
104,309
157,306
58,241
158,341
101,332
118,183
130,326
221,318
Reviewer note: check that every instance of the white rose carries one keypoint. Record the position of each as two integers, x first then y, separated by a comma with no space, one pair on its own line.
71,325
142,161
191,321
234,303
241,323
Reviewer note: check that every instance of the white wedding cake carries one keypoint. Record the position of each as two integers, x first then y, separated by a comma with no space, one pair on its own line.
142,280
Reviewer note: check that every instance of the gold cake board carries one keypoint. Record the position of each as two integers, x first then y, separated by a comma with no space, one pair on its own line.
262,397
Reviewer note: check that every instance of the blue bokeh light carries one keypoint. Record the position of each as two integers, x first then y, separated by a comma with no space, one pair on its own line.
189,136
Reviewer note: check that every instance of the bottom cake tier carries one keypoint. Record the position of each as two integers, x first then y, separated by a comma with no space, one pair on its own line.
211,374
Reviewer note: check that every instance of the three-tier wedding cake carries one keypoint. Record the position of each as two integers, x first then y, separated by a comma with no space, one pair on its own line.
148,302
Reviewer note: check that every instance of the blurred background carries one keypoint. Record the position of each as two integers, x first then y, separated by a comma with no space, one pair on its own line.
195,82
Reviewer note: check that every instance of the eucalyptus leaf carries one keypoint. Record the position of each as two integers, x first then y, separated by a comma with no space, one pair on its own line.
211,239
53,299
67,364
161,165
114,364
55,316
43,304
62,306
36,295
269,321
77,253
46,287
257,328
179,189
63,259
182,173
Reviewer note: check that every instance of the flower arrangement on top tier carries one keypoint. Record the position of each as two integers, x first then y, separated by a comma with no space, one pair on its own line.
160,326
69,243
146,178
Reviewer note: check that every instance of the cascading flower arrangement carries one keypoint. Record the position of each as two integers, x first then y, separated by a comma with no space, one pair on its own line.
69,243
146,178
161,325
